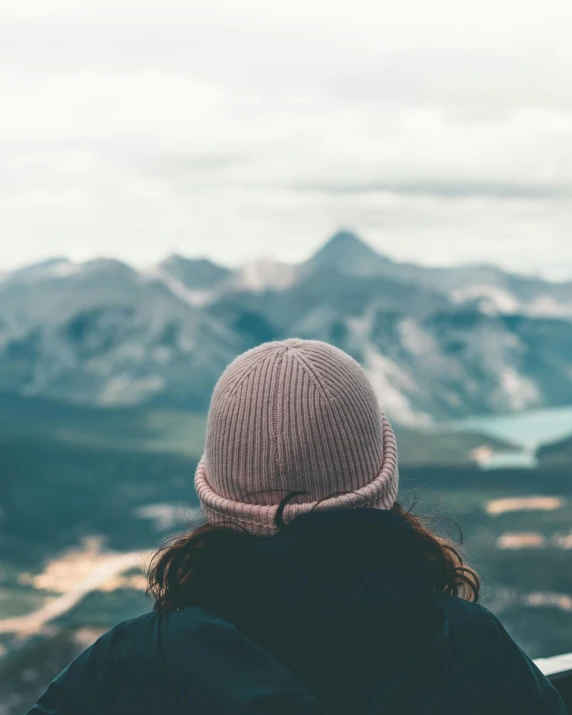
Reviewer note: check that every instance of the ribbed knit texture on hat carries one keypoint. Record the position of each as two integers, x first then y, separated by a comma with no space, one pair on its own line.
289,416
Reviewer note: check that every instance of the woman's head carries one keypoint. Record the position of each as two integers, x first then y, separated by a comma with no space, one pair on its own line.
294,417
295,428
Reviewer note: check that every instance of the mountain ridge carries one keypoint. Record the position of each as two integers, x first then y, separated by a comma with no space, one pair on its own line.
348,236
437,344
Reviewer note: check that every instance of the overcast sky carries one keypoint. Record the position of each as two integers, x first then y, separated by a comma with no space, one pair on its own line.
439,130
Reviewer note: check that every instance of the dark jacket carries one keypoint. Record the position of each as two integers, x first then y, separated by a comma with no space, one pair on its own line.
361,639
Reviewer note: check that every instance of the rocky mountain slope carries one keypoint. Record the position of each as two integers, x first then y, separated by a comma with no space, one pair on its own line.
437,343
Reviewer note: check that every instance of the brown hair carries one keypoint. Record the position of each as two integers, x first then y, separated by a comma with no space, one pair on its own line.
203,567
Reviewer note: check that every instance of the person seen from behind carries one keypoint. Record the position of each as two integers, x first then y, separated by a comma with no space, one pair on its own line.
309,589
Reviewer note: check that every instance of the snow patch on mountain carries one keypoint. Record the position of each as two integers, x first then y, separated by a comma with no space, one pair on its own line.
424,350
490,299
126,390
196,297
313,322
392,386
165,515
64,270
516,391
51,269
265,274
547,306
414,339
493,300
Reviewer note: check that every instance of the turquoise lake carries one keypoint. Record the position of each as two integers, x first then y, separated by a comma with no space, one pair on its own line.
527,429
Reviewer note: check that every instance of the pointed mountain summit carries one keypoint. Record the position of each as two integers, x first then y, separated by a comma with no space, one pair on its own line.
346,253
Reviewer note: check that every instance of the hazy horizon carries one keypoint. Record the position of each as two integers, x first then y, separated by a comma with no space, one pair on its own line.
261,258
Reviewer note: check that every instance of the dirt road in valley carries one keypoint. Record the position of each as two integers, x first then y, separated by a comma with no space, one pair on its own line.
33,622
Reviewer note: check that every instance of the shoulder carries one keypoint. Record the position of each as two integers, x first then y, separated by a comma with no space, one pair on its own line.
178,640
203,660
127,668
483,626
192,617
141,643
112,643
149,624
91,683
503,671
479,629
146,636
470,624
473,612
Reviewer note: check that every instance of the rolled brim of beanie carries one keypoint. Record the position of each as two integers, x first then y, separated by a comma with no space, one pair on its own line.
259,519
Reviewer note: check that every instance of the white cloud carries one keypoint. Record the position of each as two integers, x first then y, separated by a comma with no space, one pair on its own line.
442,131
82,106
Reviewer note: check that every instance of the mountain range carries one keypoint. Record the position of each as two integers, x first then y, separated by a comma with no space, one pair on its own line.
437,343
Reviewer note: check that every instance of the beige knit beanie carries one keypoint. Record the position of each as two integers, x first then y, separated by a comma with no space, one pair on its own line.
290,416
